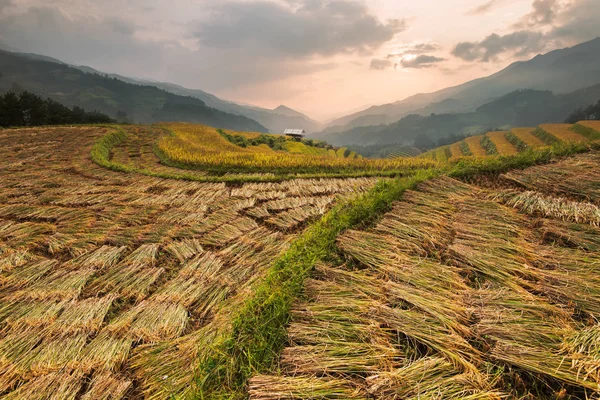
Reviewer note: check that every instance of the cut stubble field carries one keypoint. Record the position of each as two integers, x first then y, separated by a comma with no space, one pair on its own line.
136,262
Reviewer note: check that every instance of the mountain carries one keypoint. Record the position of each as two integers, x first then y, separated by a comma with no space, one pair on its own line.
559,71
274,120
526,107
142,103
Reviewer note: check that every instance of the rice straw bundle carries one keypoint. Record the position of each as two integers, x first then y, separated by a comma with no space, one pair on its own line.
185,249
32,314
429,378
101,258
54,386
535,203
61,284
151,322
106,386
270,387
84,316
29,273
167,369
105,352
55,354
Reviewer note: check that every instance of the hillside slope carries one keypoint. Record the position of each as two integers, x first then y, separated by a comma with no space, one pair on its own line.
142,103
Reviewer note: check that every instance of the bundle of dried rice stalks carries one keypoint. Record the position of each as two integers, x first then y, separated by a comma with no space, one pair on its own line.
84,316
569,234
11,258
583,348
167,369
28,274
62,284
24,315
105,352
54,386
143,256
430,378
269,387
151,321
54,354
104,257
535,203
130,281
106,386
185,249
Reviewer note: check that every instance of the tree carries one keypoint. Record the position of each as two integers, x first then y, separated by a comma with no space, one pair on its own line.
10,111
424,142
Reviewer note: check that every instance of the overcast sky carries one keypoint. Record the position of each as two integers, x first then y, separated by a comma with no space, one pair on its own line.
323,57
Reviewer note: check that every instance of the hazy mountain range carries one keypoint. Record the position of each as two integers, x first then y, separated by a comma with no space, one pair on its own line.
560,71
546,88
143,101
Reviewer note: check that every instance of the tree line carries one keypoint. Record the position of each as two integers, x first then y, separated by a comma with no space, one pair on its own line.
28,109
585,114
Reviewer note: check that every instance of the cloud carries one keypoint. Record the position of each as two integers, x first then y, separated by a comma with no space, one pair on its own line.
551,24
300,28
544,13
519,43
378,64
578,23
422,61
415,49
483,8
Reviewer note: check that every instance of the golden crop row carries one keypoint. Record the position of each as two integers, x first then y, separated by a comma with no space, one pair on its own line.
202,147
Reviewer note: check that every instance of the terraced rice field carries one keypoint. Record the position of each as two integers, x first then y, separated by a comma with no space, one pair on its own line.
503,146
527,136
595,125
474,143
112,285
455,152
459,292
563,132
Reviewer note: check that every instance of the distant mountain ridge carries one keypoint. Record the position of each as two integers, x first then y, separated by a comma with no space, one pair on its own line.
275,120
520,108
71,86
559,71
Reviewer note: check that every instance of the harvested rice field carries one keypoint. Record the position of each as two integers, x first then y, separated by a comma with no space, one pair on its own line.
486,290
114,284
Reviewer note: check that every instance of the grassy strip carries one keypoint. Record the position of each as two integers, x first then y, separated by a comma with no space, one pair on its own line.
488,145
515,141
467,168
465,149
259,329
545,137
586,132
102,149
448,153
101,155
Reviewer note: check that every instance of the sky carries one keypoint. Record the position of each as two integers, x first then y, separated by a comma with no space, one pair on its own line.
322,57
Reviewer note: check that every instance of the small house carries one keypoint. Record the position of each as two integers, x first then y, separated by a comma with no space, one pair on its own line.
295,133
